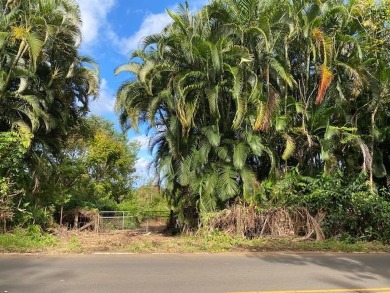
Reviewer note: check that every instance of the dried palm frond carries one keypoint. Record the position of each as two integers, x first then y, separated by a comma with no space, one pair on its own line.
260,116
272,105
326,79
319,36
245,221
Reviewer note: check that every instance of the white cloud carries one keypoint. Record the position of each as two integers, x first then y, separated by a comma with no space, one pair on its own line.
144,170
143,141
97,27
94,16
142,164
105,103
152,24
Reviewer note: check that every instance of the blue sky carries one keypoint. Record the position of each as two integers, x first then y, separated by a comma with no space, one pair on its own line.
111,30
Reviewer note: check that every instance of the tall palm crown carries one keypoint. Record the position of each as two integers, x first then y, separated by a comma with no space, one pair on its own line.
44,83
244,90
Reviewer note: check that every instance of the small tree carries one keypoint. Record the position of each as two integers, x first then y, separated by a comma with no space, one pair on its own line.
95,169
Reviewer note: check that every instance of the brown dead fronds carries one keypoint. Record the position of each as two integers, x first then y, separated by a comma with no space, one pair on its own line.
279,222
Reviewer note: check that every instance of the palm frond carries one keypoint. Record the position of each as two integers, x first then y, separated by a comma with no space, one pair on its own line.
228,183
256,144
145,70
331,131
212,97
36,45
283,72
240,154
281,123
223,154
289,148
132,67
325,81
212,134
250,184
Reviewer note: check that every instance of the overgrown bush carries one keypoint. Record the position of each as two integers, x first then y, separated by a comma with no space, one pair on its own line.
26,240
6,203
352,210
144,198
34,215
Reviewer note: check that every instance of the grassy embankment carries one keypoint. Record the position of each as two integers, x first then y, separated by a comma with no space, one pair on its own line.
33,241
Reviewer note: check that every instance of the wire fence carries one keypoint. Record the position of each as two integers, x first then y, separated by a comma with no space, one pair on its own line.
126,220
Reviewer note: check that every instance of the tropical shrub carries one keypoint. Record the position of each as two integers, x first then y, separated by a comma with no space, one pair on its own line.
350,207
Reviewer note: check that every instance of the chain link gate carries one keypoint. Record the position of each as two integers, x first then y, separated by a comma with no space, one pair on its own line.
127,220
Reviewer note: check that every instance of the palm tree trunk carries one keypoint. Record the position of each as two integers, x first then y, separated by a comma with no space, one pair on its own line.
22,49
372,148
61,216
305,90
267,80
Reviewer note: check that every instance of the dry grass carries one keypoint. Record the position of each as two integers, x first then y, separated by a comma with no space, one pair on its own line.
70,242
155,241
131,242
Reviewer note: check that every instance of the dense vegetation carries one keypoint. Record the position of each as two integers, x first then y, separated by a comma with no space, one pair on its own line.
267,104
258,110
52,157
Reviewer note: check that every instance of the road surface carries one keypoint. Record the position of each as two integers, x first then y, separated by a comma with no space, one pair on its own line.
200,273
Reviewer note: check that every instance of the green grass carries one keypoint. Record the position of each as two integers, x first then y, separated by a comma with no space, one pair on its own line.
223,243
31,240
219,243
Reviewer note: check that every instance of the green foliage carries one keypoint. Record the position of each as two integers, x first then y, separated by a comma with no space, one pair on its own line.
350,206
45,85
242,92
280,192
45,88
7,208
27,240
145,198
351,209
94,170
13,146
268,103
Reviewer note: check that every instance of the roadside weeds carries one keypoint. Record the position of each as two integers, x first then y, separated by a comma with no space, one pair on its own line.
87,242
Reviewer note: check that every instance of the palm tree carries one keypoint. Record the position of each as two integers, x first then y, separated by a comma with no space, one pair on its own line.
245,90
45,84
193,85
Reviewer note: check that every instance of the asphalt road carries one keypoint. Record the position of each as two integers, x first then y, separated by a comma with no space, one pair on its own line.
195,273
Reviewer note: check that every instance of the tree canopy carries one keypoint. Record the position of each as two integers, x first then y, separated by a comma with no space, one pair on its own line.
94,170
45,89
244,93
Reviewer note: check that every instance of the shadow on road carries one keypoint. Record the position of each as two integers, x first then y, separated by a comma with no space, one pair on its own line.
354,269
31,270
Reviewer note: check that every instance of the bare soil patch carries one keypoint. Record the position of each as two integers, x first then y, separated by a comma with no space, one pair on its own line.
112,241
150,238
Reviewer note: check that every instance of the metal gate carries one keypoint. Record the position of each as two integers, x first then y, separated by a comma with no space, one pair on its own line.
130,220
